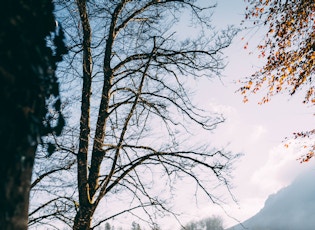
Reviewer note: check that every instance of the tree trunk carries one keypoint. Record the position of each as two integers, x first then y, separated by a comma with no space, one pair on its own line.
15,186
83,219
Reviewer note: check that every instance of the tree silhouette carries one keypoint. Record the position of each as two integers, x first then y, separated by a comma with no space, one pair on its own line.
27,81
131,140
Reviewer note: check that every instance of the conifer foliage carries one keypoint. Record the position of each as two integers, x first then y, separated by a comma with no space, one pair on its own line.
27,81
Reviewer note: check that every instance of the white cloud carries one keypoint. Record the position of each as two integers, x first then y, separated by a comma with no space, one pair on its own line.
267,165
226,110
257,132
242,132
281,168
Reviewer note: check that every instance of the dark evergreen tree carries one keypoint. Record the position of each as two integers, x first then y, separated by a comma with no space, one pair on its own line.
135,226
27,81
209,223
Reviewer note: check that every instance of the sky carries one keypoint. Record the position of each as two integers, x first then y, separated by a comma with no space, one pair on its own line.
257,131
300,207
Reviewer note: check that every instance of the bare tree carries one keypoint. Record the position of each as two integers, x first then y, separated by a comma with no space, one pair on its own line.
137,116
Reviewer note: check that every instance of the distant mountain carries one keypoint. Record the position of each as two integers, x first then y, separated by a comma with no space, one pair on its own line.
292,208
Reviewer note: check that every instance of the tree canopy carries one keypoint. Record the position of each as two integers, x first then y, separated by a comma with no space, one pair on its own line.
289,46
29,98
130,113
209,223
289,49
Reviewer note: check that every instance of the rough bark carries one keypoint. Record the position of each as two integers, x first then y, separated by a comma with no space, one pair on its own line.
16,171
98,153
84,214
83,218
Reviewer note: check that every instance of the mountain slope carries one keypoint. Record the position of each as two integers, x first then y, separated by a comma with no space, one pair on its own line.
292,208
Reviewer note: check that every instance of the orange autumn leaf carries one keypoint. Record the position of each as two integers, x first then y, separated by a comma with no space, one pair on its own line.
289,50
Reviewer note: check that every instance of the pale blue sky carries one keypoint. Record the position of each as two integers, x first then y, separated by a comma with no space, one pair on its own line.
258,131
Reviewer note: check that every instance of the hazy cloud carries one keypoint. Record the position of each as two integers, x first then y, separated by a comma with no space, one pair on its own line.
282,167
